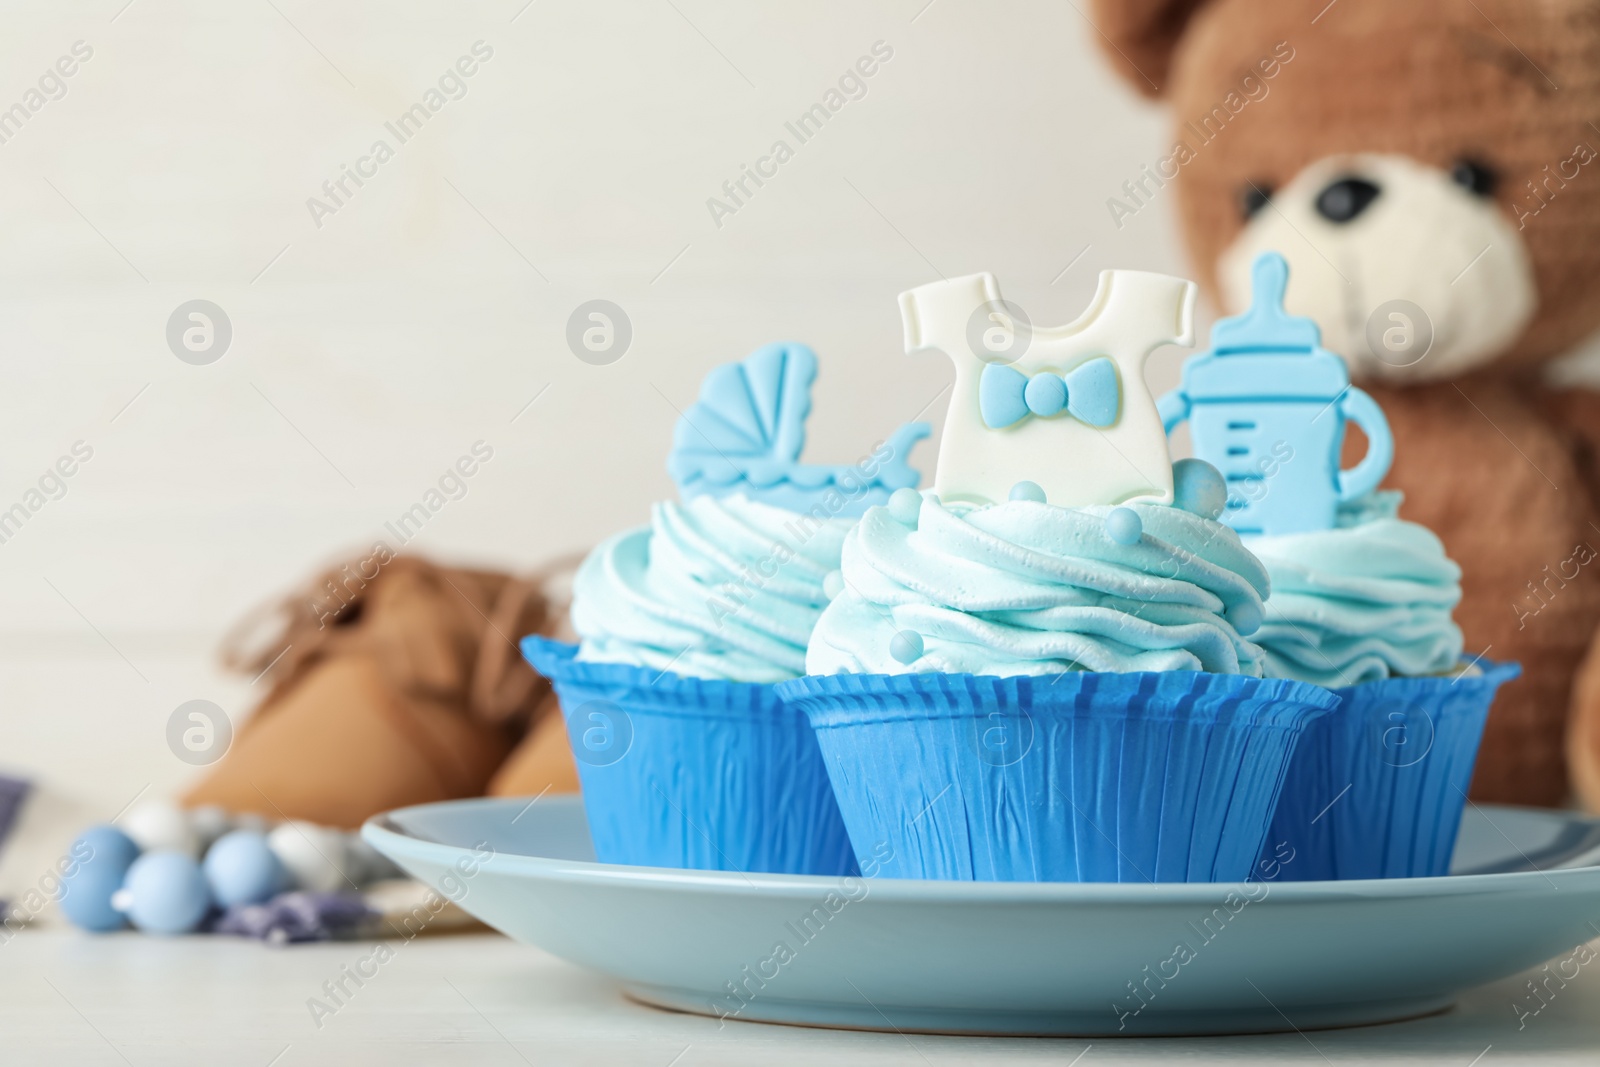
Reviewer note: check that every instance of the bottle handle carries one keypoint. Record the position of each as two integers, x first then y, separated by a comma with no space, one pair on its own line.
1173,407
1365,476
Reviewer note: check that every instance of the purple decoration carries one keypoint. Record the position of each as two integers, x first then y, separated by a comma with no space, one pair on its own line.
13,793
291,918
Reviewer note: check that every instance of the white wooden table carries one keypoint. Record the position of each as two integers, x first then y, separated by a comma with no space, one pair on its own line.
481,999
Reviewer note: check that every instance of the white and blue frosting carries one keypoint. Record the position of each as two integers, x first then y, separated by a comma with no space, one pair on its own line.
1029,588
723,588
1371,598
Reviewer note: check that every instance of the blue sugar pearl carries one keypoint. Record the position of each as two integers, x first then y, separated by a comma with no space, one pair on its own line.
1245,617
1027,491
166,893
241,869
905,505
1198,488
832,584
1124,526
91,871
1045,394
906,647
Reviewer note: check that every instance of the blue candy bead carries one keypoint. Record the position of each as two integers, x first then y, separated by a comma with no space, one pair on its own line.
1245,617
166,893
906,647
1198,488
241,869
905,505
106,843
86,899
1124,526
1028,491
98,861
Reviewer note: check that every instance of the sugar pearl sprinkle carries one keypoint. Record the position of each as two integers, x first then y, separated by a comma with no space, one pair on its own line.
1199,488
1027,491
906,647
905,505
1124,526
832,584
1245,617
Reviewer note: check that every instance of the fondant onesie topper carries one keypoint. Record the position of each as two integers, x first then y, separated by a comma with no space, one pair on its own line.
1064,407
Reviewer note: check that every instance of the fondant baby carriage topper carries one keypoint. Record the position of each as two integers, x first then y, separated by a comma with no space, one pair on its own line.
1064,409
746,432
1268,397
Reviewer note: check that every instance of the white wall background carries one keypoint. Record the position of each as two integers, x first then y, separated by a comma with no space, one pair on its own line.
369,353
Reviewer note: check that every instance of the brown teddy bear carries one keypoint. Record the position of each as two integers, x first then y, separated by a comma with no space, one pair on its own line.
1430,170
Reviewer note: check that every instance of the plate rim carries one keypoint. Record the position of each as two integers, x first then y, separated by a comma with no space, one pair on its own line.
381,829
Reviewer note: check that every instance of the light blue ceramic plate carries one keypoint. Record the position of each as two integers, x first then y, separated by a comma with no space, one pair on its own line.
1008,958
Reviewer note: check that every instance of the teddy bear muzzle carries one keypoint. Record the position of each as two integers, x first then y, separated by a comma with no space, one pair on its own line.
1412,273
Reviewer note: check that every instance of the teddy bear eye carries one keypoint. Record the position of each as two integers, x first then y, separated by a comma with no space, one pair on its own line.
1475,177
1253,197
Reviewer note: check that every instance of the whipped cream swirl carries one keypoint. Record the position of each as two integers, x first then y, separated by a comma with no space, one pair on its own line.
1369,599
722,588
1029,588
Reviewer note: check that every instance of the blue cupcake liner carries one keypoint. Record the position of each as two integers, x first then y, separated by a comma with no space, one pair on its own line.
1079,777
694,772
1376,790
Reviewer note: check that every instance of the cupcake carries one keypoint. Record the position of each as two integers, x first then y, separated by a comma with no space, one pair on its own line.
1368,599
686,756
1022,683
1361,602
1378,789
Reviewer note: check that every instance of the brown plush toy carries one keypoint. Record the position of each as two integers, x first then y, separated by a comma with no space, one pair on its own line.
1429,169
395,681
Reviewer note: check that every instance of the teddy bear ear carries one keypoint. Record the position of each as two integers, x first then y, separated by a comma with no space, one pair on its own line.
1140,36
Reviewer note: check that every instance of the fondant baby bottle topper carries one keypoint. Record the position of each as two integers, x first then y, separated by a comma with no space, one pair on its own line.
1267,406
745,434
1060,414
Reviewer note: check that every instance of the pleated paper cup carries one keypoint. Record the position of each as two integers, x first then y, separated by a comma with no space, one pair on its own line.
1376,790
694,772
1079,777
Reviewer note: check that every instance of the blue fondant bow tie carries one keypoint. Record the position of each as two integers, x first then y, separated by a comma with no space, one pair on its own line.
1089,393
